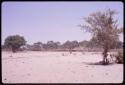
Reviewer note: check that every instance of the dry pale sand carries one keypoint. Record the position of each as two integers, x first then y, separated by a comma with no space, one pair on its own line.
58,67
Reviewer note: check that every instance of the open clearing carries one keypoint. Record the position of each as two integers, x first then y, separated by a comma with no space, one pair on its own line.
58,67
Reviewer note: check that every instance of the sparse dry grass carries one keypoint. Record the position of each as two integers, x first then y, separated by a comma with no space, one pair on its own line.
53,67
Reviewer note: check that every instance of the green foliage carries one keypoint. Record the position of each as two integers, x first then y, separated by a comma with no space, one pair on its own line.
51,45
119,57
83,43
70,45
36,46
14,42
104,30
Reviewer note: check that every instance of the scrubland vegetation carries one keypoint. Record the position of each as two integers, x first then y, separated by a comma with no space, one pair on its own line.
71,61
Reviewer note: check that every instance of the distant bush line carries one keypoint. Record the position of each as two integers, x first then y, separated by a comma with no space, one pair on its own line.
73,46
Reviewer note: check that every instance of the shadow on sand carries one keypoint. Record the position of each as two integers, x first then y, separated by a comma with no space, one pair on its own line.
97,63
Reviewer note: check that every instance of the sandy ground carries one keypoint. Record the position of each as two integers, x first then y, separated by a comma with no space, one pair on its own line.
58,67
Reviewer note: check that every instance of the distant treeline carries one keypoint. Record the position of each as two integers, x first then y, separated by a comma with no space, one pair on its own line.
66,46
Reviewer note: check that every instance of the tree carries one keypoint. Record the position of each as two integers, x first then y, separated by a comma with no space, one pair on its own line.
83,43
104,30
92,43
51,45
58,44
67,45
70,45
37,46
45,46
14,42
119,44
74,44
28,47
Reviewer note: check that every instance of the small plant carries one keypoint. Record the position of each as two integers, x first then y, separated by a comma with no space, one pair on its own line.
119,57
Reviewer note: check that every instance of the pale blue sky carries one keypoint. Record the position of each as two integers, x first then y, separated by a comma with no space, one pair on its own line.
57,21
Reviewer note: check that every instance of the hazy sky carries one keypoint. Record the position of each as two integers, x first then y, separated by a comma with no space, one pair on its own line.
57,21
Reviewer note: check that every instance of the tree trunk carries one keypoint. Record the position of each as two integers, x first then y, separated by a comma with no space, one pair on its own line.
13,49
70,51
105,60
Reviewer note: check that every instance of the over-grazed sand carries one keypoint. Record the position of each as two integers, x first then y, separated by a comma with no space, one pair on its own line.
58,67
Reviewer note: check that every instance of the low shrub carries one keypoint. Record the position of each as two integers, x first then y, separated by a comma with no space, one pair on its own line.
119,57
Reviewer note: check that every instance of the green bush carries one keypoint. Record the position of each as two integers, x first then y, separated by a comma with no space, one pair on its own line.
119,57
